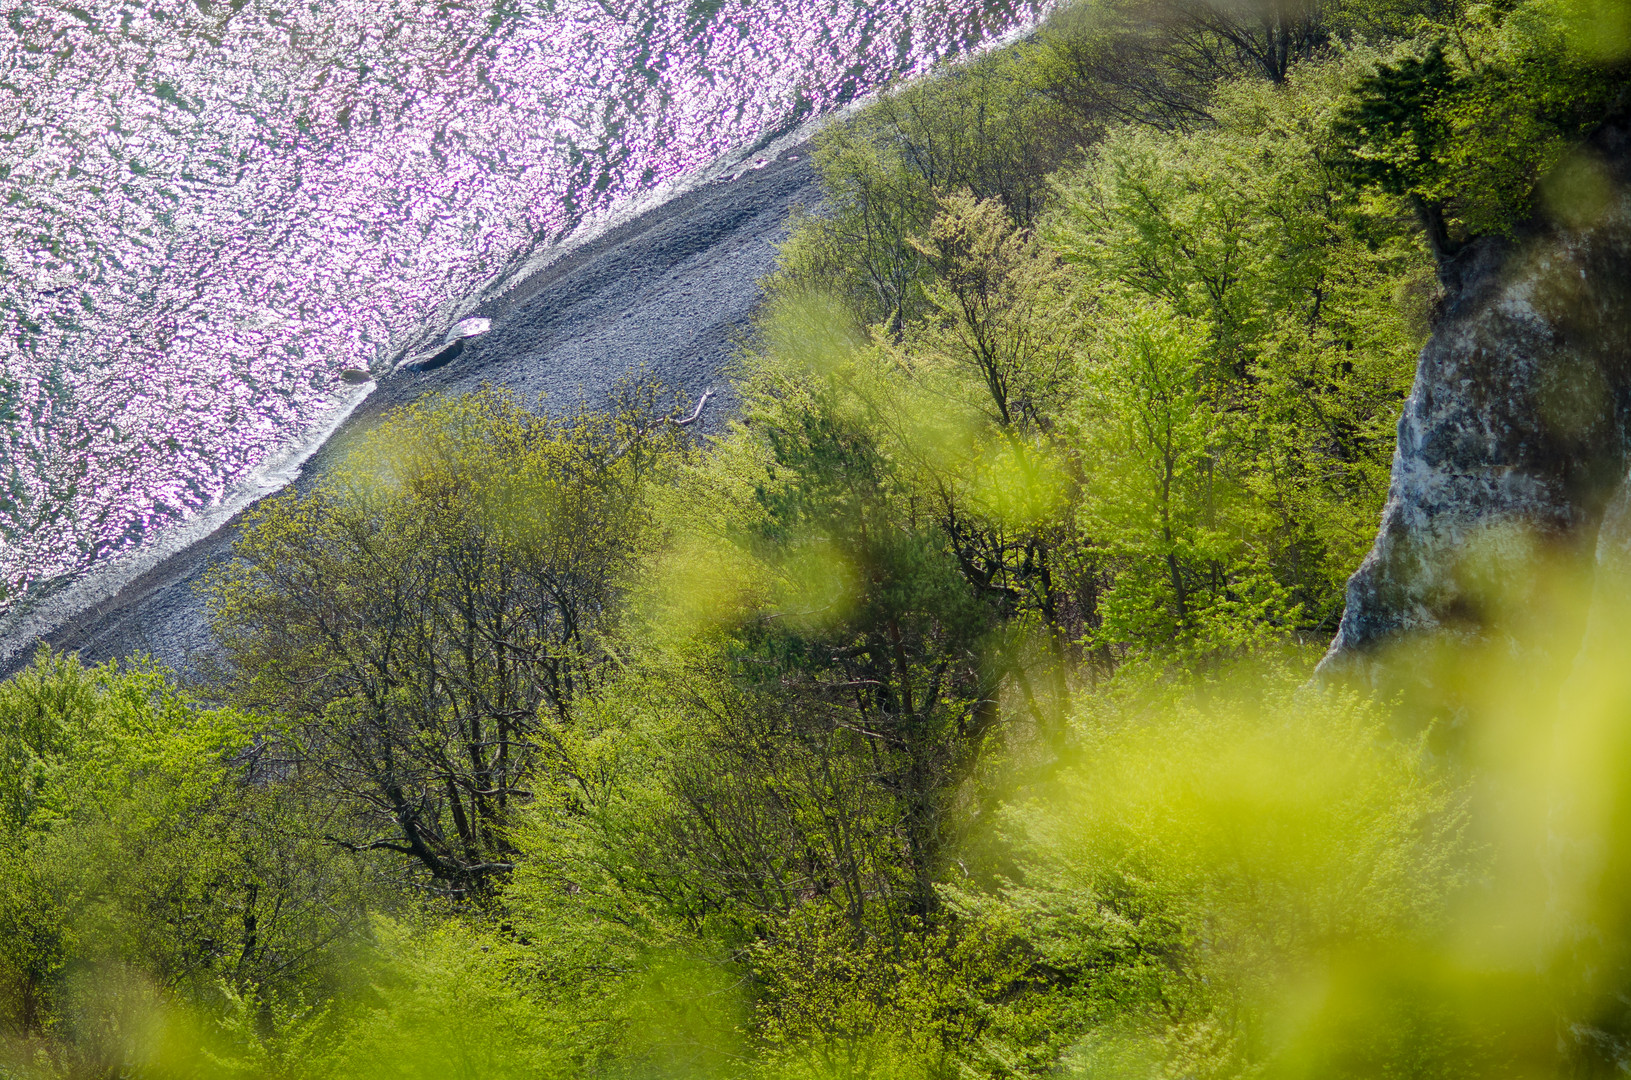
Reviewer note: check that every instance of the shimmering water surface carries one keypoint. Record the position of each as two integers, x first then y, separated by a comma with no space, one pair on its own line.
208,210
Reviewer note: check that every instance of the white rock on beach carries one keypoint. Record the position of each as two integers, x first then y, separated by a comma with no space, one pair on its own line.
469,328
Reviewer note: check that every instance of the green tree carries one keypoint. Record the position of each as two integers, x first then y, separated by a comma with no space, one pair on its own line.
1158,503
1465,134
987,126
1310,304
1397,127
151,856
413,617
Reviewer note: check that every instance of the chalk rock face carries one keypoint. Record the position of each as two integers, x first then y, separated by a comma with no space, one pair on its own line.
1515,436
1602,648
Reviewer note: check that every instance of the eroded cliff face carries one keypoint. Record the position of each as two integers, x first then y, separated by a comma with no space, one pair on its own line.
1515,437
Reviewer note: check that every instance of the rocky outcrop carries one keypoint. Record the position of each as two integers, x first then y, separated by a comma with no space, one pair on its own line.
1515,436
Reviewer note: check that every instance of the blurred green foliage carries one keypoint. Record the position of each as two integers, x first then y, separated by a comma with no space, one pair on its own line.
945,712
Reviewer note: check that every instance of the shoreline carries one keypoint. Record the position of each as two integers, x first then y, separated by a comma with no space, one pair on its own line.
663,288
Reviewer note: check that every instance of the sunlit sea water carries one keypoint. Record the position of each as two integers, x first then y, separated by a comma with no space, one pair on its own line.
209,210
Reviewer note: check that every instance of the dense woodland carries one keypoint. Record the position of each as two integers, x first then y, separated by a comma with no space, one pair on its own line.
948,715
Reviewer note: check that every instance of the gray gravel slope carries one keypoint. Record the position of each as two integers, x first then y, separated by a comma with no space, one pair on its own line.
665,292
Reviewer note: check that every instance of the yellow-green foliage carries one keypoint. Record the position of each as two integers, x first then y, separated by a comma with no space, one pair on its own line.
1015,406
1247,877
102,775
141,868
945,716
444,1003
423,616
989,126
1213,848
1303,306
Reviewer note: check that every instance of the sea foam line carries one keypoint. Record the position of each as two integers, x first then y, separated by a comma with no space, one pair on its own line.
20,629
